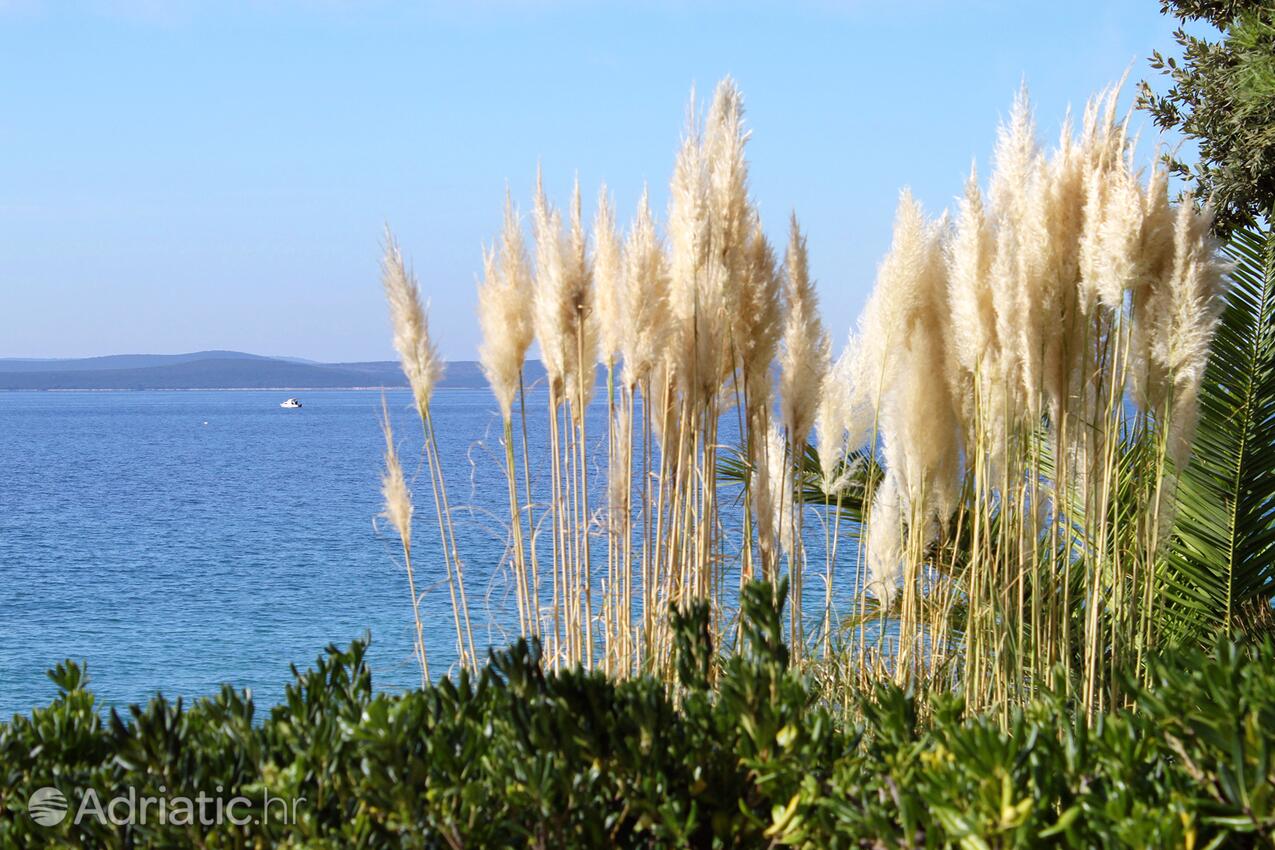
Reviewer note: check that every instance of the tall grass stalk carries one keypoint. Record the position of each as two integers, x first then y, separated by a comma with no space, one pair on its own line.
997,448
424,368
398,511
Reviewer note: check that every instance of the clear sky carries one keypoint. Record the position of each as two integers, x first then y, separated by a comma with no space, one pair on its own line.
179,175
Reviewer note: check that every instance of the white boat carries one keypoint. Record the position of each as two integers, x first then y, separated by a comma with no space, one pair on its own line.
292,402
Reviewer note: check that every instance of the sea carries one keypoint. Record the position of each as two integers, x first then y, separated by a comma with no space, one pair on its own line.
173,541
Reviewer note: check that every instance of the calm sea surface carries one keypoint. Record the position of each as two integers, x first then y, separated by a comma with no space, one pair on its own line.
178,540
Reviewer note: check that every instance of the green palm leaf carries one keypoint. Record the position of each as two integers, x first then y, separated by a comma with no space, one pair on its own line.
1221,556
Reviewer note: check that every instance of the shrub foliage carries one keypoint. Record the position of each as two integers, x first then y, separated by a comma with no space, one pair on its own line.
1222,96
741,755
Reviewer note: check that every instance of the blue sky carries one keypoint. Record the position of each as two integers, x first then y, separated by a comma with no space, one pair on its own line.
179,175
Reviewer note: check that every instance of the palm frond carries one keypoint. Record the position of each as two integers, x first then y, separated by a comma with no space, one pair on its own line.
1221,556
854,477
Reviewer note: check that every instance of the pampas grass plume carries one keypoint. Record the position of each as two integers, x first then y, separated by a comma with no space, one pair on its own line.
729,210
758,323
581,337
501,361
397,498
772,491
1194,305
608,277
688,243
644,291
919,424
502,313
417,352
552,310
515,275
843,421
970,254
803,361
895,301
885,543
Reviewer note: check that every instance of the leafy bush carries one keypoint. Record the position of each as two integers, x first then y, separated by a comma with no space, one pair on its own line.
1221,95
740,756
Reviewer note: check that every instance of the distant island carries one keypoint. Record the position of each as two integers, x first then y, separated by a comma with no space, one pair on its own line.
221,370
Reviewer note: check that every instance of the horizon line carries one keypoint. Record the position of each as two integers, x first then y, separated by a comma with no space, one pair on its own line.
215,351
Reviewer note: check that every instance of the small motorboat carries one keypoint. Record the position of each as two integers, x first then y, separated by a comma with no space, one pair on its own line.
290,403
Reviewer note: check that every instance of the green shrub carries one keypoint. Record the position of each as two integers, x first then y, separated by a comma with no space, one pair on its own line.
741,756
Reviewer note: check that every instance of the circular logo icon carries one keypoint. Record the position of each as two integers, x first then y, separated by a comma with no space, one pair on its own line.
47,806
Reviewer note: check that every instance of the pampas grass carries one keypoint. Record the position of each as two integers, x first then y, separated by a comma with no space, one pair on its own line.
804,356
1182,333
503,317
1039,304
772,493
970,253
423,367
417,353
506,335
905,351
566,328
1005,504
803,363
608,269
563,300
756,329
643,311
837,427
398,512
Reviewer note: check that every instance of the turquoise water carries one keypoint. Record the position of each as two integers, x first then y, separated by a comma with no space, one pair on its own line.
178,540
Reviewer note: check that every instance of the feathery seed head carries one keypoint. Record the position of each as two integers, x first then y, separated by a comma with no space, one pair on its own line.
1109,249
772,491
397,498
582,337
1182,338
885,542
906,352
758,323
969,258
552,315
805,355
608,271
644,289
843,423
729,210
563,304
499,306
890,314
691,350
417,353
515,272
503,317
